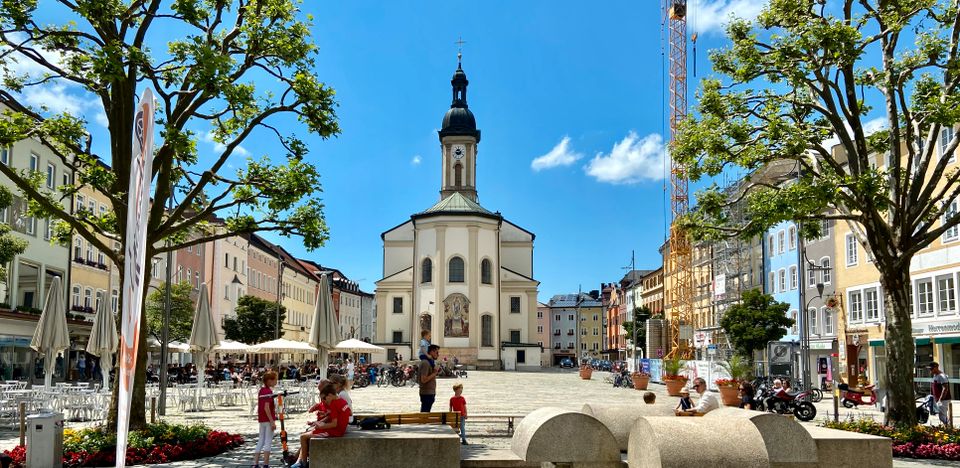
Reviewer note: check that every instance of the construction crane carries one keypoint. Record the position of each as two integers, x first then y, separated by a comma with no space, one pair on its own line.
680,257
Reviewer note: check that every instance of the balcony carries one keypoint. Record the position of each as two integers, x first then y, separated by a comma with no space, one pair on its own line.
556,333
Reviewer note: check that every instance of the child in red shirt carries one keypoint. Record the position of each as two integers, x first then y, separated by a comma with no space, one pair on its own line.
266,417
459,404
335,424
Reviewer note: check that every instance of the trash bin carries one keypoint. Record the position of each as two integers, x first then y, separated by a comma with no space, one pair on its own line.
45,440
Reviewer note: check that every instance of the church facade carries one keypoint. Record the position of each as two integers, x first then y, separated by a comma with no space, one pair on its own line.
459,270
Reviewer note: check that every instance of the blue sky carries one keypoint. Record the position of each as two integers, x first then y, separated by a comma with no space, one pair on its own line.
578,90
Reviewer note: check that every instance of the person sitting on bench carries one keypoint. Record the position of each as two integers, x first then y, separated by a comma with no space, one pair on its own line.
334,425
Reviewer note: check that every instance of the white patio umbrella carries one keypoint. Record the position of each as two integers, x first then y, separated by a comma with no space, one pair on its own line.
203,335
354,345
324,331
51,335
281,345
103,340
177,347
231,346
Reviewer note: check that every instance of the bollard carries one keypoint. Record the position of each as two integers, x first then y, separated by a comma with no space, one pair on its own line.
23,423
153,410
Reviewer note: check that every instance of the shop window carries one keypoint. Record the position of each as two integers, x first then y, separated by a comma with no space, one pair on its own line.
925,297
946,294
872,304
827,321
856,306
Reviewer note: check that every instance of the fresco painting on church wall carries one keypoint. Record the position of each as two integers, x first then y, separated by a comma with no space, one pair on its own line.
456,313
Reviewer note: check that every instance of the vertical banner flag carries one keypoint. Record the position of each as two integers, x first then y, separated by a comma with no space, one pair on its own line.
138,202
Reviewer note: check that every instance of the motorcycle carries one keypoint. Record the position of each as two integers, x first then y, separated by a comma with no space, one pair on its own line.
851,398
796,403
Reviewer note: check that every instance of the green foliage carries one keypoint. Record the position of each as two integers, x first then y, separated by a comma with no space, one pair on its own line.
738,367
181,311
640,317
917,434
10,245
673,366
96,439
757,320
255,322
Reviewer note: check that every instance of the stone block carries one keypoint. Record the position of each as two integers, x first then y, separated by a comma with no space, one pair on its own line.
788,444
680,442
565,438
619,419
843,449
415,446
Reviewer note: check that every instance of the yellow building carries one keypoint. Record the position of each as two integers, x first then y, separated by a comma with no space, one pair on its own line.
934,311
591,329
90,269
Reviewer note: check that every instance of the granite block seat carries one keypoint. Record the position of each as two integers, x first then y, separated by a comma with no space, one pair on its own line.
788,444
571,438
843,449
414,446
619,419
680,442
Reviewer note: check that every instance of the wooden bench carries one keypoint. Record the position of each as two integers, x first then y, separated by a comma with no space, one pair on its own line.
449,418
509,418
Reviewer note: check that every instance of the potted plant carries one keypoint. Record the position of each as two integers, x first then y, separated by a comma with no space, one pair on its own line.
586,371
738,368
640,380
671,375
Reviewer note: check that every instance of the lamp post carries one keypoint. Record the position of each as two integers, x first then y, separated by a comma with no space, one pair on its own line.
576,327
805,265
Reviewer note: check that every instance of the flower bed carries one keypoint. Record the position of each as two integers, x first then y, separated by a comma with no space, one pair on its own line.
156,444
909,442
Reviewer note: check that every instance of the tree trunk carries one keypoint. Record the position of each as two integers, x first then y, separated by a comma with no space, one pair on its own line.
138,416
898,338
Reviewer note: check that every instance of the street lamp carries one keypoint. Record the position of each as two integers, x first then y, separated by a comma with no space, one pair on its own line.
806,265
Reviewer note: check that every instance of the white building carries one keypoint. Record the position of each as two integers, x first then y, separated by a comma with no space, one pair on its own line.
459,270
368,317
229,280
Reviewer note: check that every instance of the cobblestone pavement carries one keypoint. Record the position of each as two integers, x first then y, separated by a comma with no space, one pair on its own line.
486,392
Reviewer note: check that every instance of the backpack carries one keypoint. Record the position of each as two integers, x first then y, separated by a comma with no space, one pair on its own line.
374,423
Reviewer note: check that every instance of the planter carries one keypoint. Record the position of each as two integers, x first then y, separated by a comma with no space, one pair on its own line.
729,395
674,386
640,381
586,372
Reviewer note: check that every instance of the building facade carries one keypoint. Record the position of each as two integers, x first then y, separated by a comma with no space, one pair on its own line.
544,333
457,269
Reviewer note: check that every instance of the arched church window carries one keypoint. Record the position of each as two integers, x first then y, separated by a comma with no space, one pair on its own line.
426,273
485,276
458,175
486,331
456,270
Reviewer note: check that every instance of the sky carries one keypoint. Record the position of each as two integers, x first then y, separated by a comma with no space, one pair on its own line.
570,101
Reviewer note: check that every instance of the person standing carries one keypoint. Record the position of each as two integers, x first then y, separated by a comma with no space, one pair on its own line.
940,389
266,419
459,404
350,370
427,378
82,366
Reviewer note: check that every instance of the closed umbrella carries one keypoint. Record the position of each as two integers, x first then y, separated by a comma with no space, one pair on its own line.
51,335
324,331
203,335
103,340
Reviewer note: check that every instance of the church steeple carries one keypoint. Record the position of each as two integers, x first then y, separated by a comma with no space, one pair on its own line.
458,141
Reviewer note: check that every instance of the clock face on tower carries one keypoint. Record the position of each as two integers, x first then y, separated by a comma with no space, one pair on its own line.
459,151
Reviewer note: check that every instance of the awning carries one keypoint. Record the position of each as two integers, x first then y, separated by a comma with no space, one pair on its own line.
947,339
876,342
921,340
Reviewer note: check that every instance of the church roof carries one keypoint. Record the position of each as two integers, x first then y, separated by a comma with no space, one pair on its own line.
459,204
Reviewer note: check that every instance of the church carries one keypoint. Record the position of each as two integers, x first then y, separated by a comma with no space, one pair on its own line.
459,270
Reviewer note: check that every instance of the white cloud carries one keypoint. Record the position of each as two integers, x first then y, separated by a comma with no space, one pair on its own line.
710,16
560,155
631,161
416,160
57,98
869,127
220,147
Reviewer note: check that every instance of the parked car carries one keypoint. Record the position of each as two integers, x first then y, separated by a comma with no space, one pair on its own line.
566,362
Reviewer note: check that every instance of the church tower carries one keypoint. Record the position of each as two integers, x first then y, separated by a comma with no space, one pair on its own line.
458,143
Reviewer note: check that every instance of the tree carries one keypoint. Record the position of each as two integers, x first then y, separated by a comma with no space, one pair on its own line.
10,245
640,317
755,321
234,71
181,311
795,91
256,321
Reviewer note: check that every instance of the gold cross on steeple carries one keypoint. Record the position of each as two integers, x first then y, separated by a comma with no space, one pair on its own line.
460,42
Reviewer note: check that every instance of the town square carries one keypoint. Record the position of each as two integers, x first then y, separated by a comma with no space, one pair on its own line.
632,234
